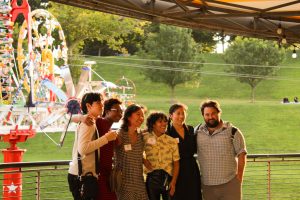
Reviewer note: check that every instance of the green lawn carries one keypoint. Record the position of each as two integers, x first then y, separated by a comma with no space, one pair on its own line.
268,125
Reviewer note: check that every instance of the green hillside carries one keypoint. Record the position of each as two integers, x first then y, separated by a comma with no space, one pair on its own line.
268,125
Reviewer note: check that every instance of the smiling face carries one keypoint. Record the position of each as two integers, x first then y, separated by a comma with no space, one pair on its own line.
160,126
136,119
211,117
115,113
178,116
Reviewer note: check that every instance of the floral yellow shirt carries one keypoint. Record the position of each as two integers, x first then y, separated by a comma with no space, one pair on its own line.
161,151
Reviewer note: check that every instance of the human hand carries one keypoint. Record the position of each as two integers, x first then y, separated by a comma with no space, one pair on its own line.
88,120
111,135
172,187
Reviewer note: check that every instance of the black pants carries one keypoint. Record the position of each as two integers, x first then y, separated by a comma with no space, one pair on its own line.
74,186
157,183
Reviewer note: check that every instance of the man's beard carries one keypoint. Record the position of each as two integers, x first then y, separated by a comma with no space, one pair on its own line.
212,123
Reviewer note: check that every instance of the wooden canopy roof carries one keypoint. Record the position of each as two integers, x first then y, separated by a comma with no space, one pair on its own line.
255,18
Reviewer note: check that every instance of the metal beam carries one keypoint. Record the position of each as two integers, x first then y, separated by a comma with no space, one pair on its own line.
244,14
181,5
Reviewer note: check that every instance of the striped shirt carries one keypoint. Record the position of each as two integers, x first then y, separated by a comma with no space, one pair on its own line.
218,152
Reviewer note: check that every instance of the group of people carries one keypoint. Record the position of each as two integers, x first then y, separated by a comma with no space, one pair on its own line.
286,100
165,151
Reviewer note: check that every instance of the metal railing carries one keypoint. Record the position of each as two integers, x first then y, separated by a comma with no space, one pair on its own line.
270,177
275,177
41,180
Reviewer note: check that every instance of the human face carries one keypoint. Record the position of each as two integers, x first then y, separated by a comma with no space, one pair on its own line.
115,113
136,119
95,109
160,126
211,117
178,117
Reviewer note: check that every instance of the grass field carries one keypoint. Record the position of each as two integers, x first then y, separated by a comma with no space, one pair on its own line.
268,125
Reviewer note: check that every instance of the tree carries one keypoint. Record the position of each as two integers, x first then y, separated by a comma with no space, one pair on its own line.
132,43
81,24
176,45
251,58
205,40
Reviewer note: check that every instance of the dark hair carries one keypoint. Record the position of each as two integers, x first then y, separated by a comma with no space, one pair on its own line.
89,98
109,103
153,117
173,109
212,104
128,112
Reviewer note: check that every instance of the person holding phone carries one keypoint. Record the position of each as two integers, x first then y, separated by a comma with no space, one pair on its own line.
112,114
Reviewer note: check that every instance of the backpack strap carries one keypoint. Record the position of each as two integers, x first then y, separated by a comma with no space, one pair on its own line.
233,131
197,128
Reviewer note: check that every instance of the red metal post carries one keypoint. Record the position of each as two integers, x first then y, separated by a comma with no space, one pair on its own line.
12,182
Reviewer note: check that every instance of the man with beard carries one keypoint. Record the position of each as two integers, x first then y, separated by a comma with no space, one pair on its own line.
221,155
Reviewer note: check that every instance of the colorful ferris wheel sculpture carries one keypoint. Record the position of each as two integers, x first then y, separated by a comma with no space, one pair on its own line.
50,72
36,76
49,55
36,89
31,94
37,93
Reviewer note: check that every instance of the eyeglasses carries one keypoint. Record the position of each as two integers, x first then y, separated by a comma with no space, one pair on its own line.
117,110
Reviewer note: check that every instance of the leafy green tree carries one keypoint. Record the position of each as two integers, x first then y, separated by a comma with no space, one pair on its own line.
176,45
251,58
223,38
81,24
97,48
132,43
205,40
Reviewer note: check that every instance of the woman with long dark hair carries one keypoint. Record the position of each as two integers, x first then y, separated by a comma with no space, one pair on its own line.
129,151
188,185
